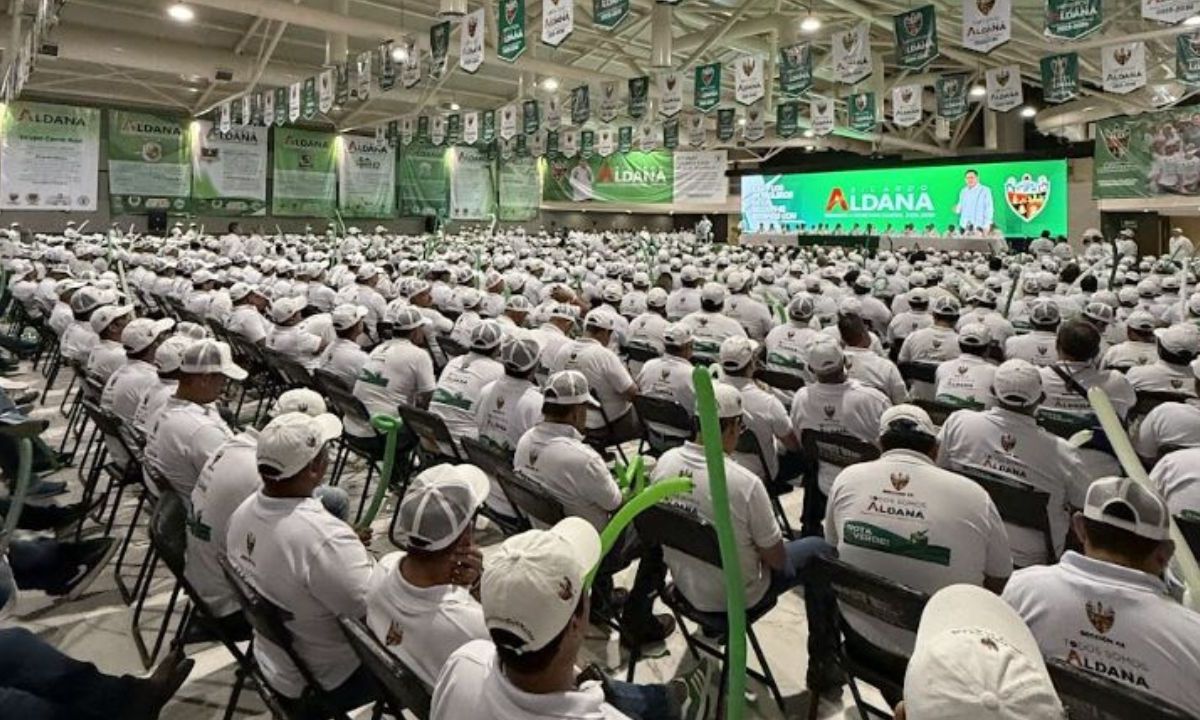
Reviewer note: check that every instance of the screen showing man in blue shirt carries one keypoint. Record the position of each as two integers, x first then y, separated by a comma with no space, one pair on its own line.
974,204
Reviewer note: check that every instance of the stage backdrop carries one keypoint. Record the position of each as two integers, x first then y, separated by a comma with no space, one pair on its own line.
1148,156
1023,198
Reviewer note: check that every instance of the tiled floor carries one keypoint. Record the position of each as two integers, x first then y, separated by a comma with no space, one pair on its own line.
97,626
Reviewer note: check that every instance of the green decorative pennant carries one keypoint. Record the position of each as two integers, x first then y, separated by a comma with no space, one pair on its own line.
625,138
708,87
487,132
510,17
795,69
861,108
581,104
726,124
423,127
671,133
587,143
1187,58
1072,19
281,105
531,119
308,99
639,93
786,118
341,92
951,92
916,37
439,49
1060,77
609,13
454,129
551,144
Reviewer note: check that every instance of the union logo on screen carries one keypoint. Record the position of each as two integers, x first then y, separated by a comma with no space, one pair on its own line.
1028,196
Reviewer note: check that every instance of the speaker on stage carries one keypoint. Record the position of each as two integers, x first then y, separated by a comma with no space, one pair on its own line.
156,223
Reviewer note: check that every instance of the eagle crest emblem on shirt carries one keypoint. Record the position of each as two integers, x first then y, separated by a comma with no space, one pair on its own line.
1176,383
500,403
1101,617
990,644
899,481
829,411
1042,349
963,369
937,344
1008,442
249,543
666,372
394,635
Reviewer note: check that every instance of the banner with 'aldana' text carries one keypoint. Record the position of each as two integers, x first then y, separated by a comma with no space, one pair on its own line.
305,174
149,164
229,170
49,157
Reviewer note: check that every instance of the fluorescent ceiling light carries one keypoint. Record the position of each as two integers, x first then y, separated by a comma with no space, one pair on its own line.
181,13
1028,112
810,24
550,84
978,90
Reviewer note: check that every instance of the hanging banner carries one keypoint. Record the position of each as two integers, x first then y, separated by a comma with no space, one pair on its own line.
308,98
1124,67
325,90
755,128
852,54
294,92
552,119
748,79
472,185
361,90
225,116
707,90
1187,58
906,105
454,128
530,118
625,138
951,94
551,143
1060,77
229,171
507,148
439,49
569,142
366,178
821,116
670,94
487,132
786,118
587,143
987,24
268,107
1004,91
697,129
1169,11
235,113
49,157
510,34
608,100
423,181
581,105
470,40
795,69
408,130
393,133
247,110
282,105
423,127
537,143
260,107
558,20
609,13
648,136
410,67
726,124
606,141
639,94
341,90
471,128
520,145
671,133
508,121
1137,157
861,110
916,37
387,66
305,174
437,130
519,189
1072,19
149,163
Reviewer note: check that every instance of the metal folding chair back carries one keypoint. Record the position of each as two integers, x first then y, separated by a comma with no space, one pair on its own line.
1090,696
400,687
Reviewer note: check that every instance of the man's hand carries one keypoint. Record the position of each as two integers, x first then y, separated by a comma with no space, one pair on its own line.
468,566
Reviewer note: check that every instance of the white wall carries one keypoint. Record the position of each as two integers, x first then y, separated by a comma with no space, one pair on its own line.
1083,212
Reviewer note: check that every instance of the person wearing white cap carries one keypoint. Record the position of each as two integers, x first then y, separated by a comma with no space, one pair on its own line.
61,314
365,293
344,358
1039,345
710,326
291,337
646,330
1108,610
770,567
974,657
129,383
229,476
763,414
1178,347
1139,347
934,344
1169,425
247,319
536,614
966,381
1007,442
904,518
865,364
554,455
785,345
907,321
167,357
612,421
188,428
1177,478
685,299
553,334
196,301
509,406
79,338
108,355
754,316
398,372
457,394
311,564
669,377
420,603
983,310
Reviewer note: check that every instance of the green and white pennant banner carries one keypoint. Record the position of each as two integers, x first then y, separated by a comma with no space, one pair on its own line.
787,118
606,141
325,89
341,89
609,13
852,54
487,126
648,136
916,37
454,128
951,92
726,124
1123,67
552,117
568,142
510,34
471,128
747,80
1060,77
1004,90
551,144
470,41
625,138
407,130
508,121
581,104
294,91
386,63
558,20
282,105
268,107
639,95
308,98
437,130
707,88
537,143
697,129
906,105
247,110
587,143
362,77
755,128
609,100
1169,11
861,110
671,133
1187,58
1072,19
531,119
670,94
795,69
439,49
821,115
423,127
986,25
225,117
410,68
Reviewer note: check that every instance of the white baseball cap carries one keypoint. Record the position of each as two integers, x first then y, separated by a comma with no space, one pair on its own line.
907,418
439,505
289,442
285,307
975,335
568,387
300,400
713,293
169,354
825,355
140,333
1017,382
1099,312
918,297
737,352
210,357
192,330
1182,339
105,316
1124,503
601,320
407,318
240,290
974,657
563,311
945,306
656,297
345,316
486,335
1141,320
1044,312
801,307
677,335
729,400
533,584
519,354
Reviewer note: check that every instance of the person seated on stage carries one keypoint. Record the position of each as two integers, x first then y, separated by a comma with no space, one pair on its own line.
1115,591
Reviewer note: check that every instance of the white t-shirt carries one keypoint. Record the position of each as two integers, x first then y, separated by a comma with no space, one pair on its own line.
876,371
764,415
422,626
152,403
248,322
1037,347
753,315
787,346
395,373
966,380
458,391
473,685
555,457
126,387
1113,621
682,302
1163,377
1168,424
848,408
668,378
312,566
606,375
181,439
1177,477
646,330
296,343
710,329
1129,354
105,359
343,359
908,520
754,527
227,479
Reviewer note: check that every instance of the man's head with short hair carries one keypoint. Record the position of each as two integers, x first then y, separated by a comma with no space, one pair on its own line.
853,330
1078,341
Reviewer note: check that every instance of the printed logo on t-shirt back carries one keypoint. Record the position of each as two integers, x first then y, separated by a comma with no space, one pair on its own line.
1101,617
395,635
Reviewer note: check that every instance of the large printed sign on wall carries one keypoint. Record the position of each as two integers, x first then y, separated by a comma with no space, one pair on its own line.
657,177
423,178
149,164
366,178
1021,198
49,157
1148,156
229,170
305,174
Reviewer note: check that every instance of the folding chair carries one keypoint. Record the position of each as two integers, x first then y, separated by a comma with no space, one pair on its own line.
677,530
450,347
1090,696
937,410
882,599
662,413
496,464
748,444
399,686
1189,527
637,352
1019,504
779,379
1148,400
918,372
269,623
837,450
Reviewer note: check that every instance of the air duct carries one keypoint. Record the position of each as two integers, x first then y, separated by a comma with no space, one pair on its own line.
660,36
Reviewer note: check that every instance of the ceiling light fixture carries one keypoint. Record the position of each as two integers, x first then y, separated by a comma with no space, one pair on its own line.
978,90
455,107
1028,111
1193,20
181,13
550,84
809,133
811,23
400,53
